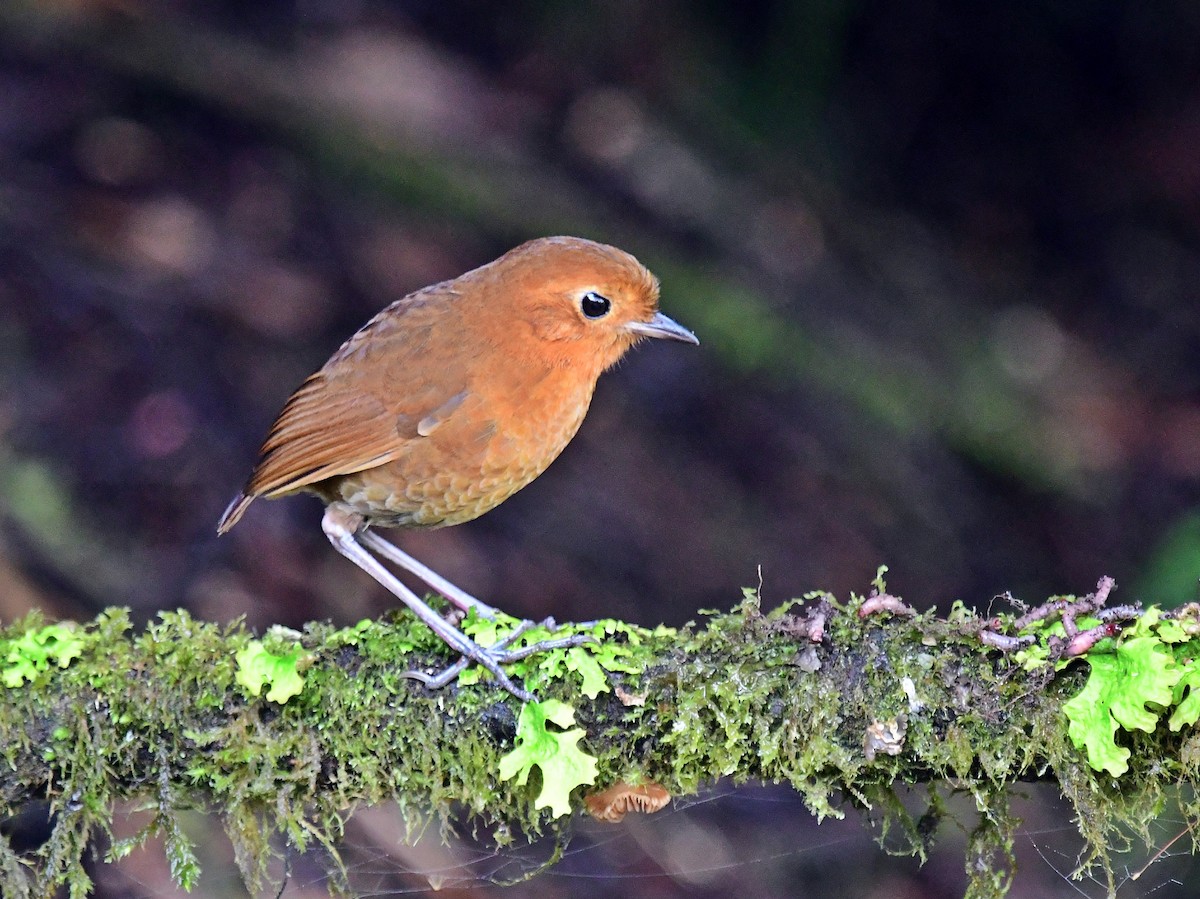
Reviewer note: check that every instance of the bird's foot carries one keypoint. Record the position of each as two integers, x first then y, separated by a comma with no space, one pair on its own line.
493,657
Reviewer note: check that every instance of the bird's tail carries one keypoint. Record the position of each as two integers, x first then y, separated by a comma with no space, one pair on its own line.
234,511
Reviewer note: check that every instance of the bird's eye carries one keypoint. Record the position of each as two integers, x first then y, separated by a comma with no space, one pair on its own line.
594,305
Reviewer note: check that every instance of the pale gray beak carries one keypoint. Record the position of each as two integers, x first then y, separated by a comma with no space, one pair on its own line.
663,326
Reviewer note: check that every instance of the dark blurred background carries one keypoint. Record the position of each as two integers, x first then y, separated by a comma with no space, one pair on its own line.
942,258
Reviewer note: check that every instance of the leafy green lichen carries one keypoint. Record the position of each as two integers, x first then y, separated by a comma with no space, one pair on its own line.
1133,680
23,657
258,667
555,753
1128,687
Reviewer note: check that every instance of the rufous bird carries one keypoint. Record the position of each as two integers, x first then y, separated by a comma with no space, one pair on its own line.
451,400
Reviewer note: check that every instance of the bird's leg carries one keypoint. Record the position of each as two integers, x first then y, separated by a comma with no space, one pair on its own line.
454,594
344,530
340,527
462,599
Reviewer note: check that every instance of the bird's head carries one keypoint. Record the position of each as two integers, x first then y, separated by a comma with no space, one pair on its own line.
581,301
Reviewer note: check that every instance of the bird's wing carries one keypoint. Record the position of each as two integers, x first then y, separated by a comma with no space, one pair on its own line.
322,432
385,387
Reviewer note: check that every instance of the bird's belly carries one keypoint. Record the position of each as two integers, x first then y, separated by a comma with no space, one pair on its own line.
387,498
458,472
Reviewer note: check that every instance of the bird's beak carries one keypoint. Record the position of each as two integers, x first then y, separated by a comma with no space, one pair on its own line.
662,326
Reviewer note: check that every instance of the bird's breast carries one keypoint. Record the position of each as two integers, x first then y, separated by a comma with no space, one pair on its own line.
468,459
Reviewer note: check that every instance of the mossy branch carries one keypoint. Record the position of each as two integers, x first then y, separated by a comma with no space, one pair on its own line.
815,694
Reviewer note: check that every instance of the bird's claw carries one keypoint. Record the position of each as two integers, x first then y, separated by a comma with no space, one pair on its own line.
493,657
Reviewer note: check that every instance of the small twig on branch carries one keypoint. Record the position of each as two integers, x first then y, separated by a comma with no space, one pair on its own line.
1077,641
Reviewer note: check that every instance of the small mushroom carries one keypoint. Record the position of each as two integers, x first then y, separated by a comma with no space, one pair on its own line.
621,798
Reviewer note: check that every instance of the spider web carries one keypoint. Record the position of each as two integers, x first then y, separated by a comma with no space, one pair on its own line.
744,841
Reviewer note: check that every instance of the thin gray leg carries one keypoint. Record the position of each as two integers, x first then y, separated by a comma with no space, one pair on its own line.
340,527
454,594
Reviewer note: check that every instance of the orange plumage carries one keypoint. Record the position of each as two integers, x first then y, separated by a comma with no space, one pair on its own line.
456,396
